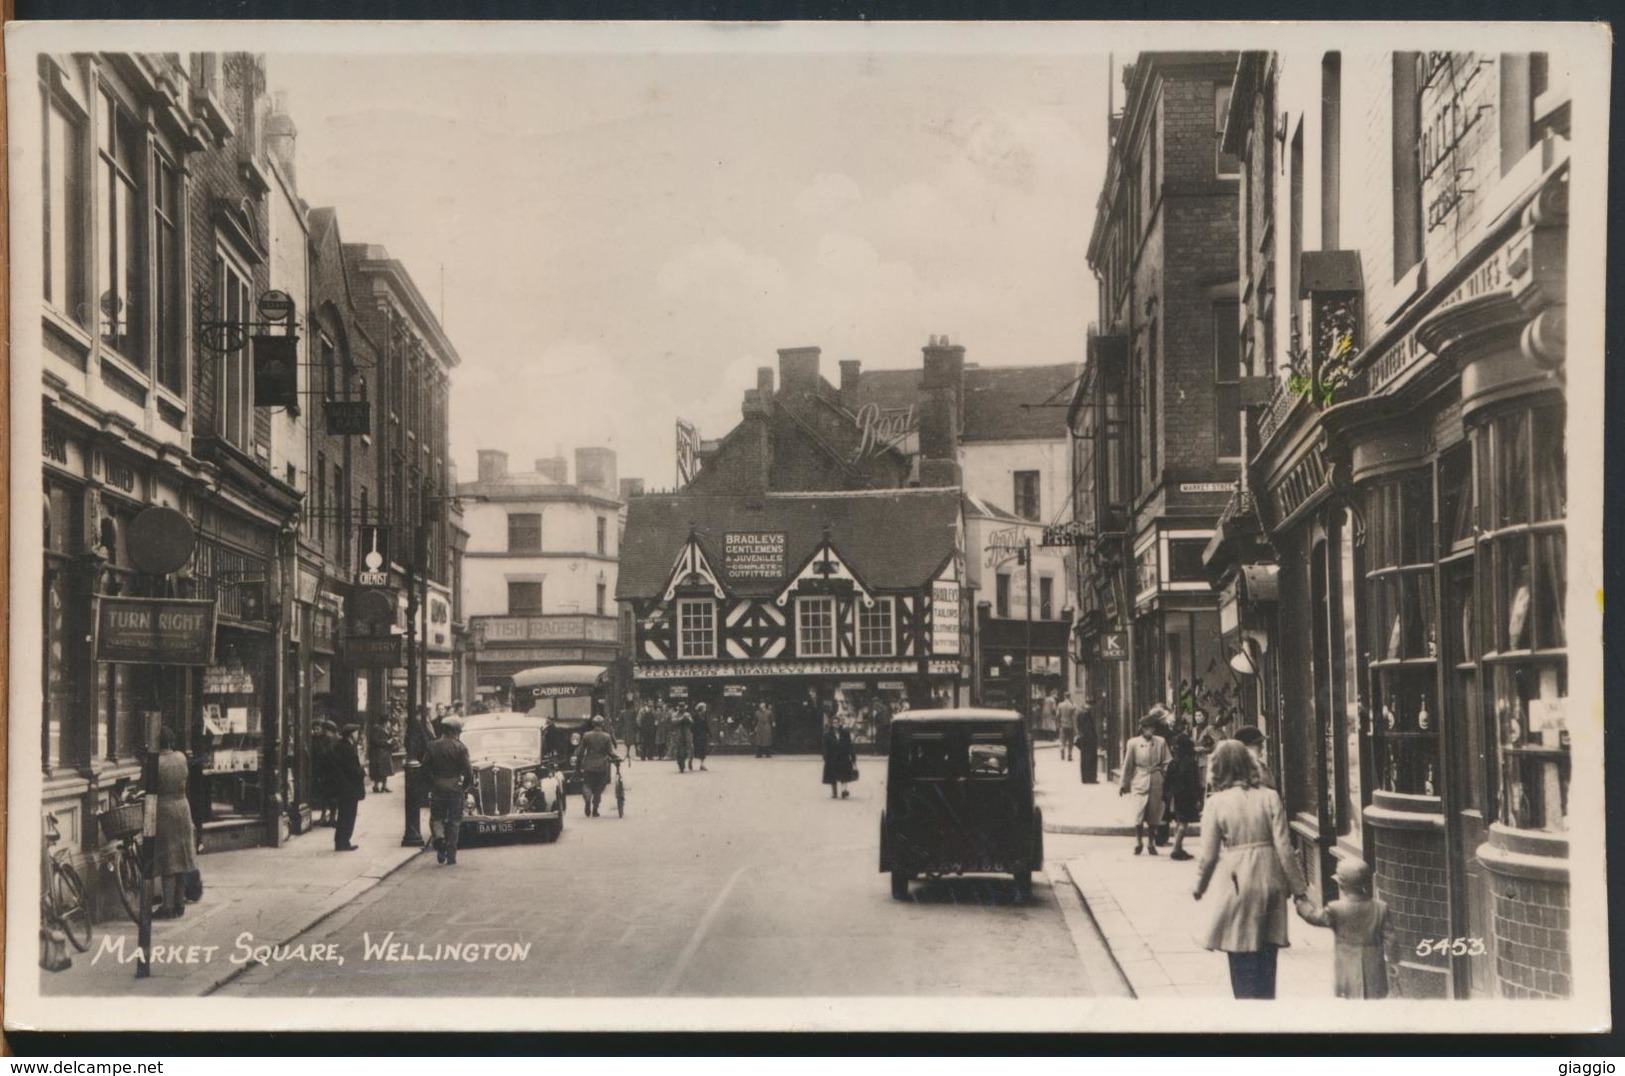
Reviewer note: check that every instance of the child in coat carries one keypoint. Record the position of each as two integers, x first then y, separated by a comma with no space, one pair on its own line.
1360,923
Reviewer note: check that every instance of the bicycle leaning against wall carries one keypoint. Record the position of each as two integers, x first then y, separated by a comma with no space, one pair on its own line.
62,893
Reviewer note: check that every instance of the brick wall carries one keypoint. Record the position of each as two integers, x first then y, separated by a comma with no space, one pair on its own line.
1410,876
1531,937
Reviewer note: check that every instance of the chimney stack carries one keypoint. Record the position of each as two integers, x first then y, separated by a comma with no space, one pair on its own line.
556,469
280,135
493,464
764,381
944,389
595,467
631,487
851,369
798,369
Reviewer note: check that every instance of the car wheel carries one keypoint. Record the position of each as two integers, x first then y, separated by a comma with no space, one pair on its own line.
1024,884
899,884
550,831
885,864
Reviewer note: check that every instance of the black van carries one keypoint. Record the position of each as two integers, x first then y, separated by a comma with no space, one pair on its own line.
959,798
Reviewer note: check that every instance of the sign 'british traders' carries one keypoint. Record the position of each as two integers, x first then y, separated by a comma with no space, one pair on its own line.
753,554
944,617
155,631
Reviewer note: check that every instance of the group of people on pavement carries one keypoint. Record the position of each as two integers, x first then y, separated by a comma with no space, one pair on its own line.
662,730
1196,771
338,782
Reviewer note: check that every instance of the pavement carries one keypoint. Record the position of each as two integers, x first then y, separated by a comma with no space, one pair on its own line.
271,894
1148,919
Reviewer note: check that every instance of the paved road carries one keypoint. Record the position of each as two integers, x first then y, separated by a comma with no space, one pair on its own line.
747,880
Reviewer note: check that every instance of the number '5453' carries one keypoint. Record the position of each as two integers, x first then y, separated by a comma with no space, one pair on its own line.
1450,947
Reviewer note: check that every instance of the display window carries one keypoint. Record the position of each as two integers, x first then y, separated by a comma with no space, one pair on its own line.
1522,559
1402,618
230,728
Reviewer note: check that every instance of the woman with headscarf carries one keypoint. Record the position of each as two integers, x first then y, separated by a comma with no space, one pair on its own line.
838,756
174,853
1246,824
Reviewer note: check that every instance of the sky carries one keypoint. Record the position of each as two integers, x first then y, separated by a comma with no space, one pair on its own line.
616,240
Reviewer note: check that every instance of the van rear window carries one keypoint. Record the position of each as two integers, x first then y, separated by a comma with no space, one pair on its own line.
989,760
938,757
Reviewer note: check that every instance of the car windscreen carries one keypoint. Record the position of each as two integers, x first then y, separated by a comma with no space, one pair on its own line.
505,743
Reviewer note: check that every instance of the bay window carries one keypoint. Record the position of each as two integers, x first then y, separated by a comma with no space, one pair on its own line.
1523,575
1402,619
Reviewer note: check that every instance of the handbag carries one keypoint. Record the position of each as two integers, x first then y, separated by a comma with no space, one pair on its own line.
854,774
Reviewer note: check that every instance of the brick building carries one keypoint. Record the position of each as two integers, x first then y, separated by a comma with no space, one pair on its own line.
1406,490
1156,453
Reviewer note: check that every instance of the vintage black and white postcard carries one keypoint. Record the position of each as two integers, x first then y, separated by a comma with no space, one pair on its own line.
1053,527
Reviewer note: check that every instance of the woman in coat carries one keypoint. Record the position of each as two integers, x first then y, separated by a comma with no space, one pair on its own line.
764,731
1259,878
838,757
381,740
175,846
702,734
1182,790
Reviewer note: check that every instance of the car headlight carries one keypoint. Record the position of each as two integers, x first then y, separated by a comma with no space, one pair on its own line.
468,802
575,739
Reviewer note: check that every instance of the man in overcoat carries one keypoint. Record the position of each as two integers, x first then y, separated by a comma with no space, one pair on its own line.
348,787
449,773
1144,761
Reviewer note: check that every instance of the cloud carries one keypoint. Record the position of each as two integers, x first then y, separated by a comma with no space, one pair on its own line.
721,268
827,195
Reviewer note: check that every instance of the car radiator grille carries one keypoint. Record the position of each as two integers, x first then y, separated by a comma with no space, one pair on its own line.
495,790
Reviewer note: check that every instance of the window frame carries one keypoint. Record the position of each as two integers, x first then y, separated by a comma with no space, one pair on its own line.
234,403
122,264
1034,511
77,187
865,612
1227,392
806,603
1001,594
541,594
512,547
603,536
685,632
1222,91
168,224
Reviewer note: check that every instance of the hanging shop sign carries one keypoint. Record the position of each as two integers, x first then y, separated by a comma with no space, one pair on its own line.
276,371
1070,534
1114,646
348,418
753,554
154,631
372,652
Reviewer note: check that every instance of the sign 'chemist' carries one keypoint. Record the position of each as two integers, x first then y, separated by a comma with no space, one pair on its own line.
753,554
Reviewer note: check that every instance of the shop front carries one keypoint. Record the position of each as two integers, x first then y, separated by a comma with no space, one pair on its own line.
504,645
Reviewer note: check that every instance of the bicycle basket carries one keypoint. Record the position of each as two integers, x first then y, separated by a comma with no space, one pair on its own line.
121,821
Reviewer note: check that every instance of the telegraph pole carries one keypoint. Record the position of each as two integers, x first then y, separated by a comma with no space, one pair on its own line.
1027,653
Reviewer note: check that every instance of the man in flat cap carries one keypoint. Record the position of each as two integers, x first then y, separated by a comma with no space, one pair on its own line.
450,773
348,786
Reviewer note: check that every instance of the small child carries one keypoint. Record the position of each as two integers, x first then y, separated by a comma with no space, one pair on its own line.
1360,924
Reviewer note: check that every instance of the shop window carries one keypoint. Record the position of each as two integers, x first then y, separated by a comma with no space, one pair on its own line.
524,599
697,628
1185,560
1026,495
1523,575
1403,624
524,532
815,627
64,234
1001,594
120,207
1226,164
876,630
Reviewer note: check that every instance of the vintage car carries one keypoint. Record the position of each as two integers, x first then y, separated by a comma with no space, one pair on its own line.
517,790
959,798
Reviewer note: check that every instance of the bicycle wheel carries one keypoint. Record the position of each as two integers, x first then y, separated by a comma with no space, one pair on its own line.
620,797
68,900
127,869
